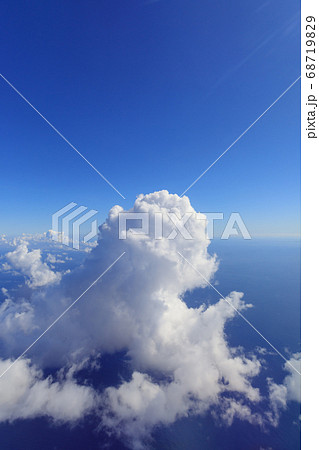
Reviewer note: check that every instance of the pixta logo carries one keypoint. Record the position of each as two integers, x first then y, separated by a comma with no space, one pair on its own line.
66,225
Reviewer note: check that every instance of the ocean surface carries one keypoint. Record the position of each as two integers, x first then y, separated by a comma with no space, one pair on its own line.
267,271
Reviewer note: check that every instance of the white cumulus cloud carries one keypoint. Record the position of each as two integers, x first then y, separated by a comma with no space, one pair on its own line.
25,393
30,263
289,390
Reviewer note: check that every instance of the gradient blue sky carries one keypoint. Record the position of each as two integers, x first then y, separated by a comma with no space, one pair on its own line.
151,92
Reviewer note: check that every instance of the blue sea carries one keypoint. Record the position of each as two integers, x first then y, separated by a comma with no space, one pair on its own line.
267,271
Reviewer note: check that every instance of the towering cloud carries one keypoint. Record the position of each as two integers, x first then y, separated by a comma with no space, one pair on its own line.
180,359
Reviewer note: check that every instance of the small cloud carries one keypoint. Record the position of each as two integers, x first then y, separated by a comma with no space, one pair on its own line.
30,263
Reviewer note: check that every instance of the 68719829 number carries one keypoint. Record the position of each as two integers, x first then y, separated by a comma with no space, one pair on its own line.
311,47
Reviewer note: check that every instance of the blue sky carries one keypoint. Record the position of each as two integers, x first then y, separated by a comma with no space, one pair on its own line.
151,92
